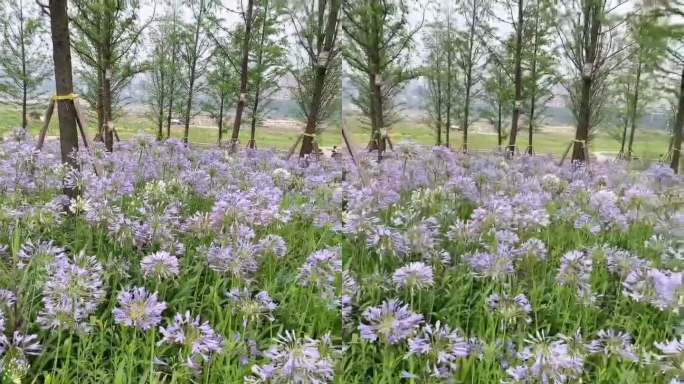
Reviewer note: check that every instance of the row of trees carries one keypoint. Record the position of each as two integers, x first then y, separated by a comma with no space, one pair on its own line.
208,56
512,55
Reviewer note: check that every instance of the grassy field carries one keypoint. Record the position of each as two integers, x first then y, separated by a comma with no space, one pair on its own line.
648,144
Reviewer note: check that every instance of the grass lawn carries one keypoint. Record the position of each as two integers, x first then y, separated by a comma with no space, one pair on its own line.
648,144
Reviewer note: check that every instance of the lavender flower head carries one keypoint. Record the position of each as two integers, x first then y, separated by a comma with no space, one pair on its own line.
321,268
441,346
546,361
613,343
139,309
391,322
253,307
414,275
673,351
15,351
73,291
272,245
197,338
161,265
387,242
575,272
296,360
510,309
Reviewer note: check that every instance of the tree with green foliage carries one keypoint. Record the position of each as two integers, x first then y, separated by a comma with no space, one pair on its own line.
471,54
318,65
588,34
108,34
441,73
24,63
497,94
269,61
222,85
195,49
539,64
378,43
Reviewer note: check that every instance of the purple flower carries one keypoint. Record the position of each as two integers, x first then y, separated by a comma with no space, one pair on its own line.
413,275
612,343
72,293
139,309
662,289
198,339
235,260
495,266
253,307
15,352
533,249
441,347
272,245
321,269
546,361
40,254
510,309
391,322
673,352
296,360
575,272
387,242
161,265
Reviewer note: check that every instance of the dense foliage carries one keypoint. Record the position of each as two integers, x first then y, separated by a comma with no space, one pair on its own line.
180,264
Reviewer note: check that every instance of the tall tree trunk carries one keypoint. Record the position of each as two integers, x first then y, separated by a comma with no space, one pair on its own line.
220,118
257,85
449,99
439,110
61,55
193,75
161,105
469,78
635,104
499,136
518,79
677,129
107,111
625,126
373,142
243,75
24,75
319,78
582,133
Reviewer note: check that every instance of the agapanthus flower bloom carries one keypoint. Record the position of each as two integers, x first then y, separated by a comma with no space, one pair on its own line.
493,265
413,275
73,291
272,245
296,360
391,322
322,268
510,309
15,351
252,306
534,249
161,265
662,289
441,346
575,272
139,309
387,242
237,260
546,361
673,352
613,343
197,338
40,254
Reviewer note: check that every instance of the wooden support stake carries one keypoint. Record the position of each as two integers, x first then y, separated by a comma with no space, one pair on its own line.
46,124
565,154
294,147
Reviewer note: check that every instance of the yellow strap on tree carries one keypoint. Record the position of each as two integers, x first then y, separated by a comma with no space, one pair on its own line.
579,141
70,96
309,134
